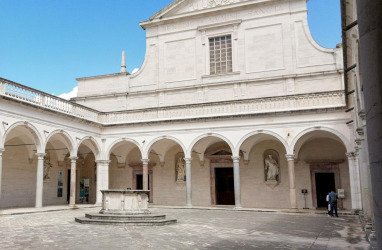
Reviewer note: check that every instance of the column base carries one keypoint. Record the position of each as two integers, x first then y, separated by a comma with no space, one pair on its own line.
238,207
73,206
188,205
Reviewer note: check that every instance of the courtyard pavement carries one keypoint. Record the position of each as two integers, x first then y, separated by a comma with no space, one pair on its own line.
196,229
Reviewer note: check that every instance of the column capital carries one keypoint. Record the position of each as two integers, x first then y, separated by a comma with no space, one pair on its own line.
188,160
102,162
40,155
145,161
351,155
73,159
289,157
235,159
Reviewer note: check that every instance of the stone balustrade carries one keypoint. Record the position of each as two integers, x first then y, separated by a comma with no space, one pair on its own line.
32,96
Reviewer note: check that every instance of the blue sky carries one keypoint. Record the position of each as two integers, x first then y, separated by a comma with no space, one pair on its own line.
46,44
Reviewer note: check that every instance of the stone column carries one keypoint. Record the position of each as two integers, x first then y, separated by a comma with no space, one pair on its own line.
102,178
1,167
369,14
355,182
188,182
292,181
236,180
145,174
73,180
39,179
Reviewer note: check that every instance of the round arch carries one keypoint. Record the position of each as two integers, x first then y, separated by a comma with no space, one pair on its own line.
197,139
116,142
149,146
265,132
68,141
298,140
34,131
1,140
95,147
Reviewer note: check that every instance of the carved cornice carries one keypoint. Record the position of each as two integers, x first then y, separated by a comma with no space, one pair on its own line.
215,110
289,103
139,165
324,162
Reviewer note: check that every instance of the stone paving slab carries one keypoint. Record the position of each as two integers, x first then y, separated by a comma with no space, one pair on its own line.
196,229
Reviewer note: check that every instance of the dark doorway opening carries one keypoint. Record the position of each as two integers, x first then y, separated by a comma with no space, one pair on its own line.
224,186
139,184
325,182
68,187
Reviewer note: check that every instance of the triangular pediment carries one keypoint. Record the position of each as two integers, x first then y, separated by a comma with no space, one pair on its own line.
179,7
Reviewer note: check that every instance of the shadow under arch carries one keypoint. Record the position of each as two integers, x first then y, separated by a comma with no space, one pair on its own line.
326,132
39,141
216,135
147,150
259,133
94,147
115,143
68,140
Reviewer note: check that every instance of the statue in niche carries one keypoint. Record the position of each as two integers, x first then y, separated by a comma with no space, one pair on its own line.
271,166
180,169
47,166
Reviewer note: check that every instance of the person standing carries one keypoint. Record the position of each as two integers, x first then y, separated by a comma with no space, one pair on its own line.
333,204
327,200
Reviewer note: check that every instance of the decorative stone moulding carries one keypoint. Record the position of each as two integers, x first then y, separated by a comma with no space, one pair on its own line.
312,101
180,185
272,183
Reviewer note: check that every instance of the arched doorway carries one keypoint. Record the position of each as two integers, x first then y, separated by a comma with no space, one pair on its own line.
215,174
322,167
57,166
264,171
168,182
86,171
125,167
19,173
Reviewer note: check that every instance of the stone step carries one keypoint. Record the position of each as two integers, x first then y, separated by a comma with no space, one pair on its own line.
131,217
85,220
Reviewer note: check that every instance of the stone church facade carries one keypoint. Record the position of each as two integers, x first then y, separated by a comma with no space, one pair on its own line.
235,104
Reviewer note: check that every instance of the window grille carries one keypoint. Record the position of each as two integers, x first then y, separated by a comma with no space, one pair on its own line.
220,54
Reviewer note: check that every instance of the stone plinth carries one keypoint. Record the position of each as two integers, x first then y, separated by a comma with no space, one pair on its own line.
120,201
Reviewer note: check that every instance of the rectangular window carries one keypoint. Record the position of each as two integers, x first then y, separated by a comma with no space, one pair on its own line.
220,54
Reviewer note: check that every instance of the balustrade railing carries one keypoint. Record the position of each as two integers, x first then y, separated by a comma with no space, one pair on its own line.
23,93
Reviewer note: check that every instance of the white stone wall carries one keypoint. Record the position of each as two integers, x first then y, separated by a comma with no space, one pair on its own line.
273,55
18,187
254,191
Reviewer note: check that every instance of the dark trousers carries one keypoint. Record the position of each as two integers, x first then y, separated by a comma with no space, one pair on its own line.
333,209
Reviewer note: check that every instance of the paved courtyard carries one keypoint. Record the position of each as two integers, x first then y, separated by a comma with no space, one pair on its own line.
196,229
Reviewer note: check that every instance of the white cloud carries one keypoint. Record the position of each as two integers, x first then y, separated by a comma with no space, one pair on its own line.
70,94
134,70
